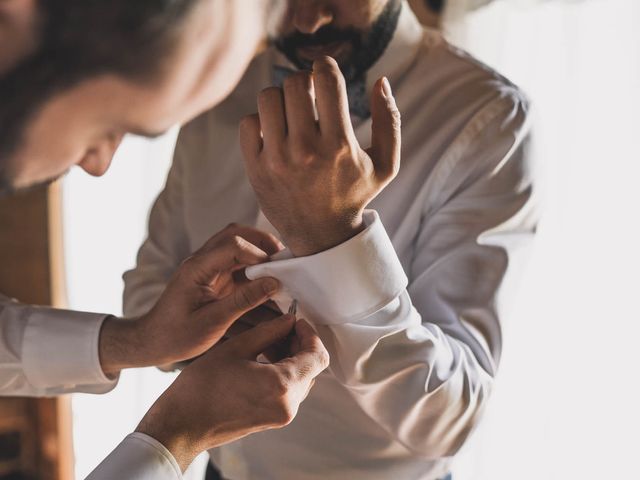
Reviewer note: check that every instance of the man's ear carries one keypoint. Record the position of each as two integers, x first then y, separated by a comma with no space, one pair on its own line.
18,31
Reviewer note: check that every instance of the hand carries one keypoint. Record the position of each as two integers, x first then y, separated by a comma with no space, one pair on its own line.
257,316
251,319
204,297
226,394
312,179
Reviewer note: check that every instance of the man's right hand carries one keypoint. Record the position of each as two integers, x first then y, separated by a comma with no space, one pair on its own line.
203,298
226,394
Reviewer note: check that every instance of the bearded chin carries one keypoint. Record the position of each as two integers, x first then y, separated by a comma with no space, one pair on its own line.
366,48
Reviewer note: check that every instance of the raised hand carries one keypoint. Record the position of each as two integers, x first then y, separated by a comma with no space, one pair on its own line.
312,178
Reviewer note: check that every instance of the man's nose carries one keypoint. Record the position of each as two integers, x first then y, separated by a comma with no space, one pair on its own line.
97,159
310,16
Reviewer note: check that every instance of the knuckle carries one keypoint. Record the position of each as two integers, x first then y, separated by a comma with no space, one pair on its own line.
281,384
326,62
287,413
287,376
344,149
328,72
242,299
304,149
269,94
238,242
187,264
297,80
325,358
396,118
283,411
275,165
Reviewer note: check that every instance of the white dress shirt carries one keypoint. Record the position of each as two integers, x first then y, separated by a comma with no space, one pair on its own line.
45,352
409,309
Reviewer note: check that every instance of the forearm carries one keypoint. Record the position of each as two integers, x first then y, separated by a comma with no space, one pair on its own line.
48,351
165,429
422,386
122,346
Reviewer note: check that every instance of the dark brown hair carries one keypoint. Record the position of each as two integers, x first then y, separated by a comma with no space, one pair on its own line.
80,39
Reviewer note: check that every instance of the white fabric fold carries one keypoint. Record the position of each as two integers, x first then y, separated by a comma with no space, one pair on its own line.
343,284
45,351
138,457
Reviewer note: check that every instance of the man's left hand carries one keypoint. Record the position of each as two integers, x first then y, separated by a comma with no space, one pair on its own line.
312,178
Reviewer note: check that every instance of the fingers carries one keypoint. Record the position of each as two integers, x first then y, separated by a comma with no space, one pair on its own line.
266,241
271,111
232,249
312,356
243,298
331,99
299,98
205,265
385,131
250,137
252,343
238,327
250,319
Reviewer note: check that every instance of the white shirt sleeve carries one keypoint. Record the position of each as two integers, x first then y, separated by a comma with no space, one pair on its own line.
138,457
420,357
44,351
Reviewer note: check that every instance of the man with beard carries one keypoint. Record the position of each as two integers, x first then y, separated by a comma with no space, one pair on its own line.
415,342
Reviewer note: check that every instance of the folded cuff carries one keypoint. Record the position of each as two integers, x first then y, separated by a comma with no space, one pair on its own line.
138,457
60,349
343,284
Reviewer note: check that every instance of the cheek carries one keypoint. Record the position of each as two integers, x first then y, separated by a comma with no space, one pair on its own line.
358,14
46,153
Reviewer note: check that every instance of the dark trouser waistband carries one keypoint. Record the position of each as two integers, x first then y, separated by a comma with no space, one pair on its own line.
214,474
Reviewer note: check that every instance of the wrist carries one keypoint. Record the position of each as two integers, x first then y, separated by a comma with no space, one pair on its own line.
158,425
324,235
120,346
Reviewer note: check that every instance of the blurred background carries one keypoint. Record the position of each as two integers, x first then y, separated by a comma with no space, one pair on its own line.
567,400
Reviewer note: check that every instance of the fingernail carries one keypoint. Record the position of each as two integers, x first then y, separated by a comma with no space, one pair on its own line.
271,285
386,88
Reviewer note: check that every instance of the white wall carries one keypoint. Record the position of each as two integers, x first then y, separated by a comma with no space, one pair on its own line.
567,398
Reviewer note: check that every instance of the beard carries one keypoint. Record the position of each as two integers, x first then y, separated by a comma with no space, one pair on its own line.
366,46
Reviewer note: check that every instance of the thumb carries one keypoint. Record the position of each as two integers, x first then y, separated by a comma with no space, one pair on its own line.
242,299
253,342
385,131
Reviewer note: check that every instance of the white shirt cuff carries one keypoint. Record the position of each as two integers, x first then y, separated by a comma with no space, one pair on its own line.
343,284
138,457
60,349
